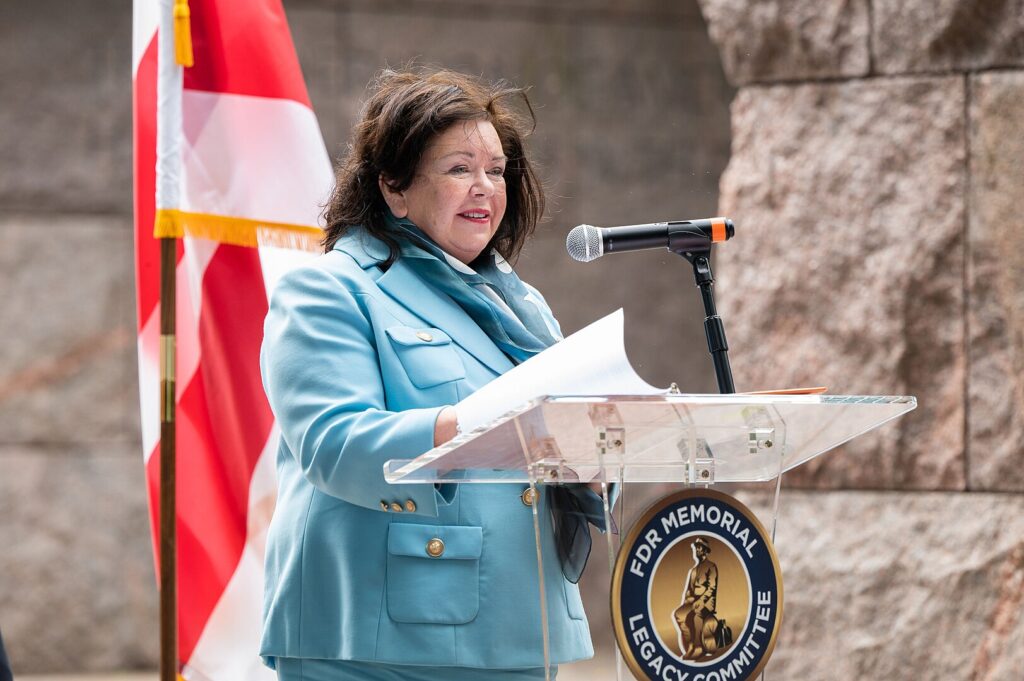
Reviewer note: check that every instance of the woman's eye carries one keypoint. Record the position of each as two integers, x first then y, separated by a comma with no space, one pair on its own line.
459,170
496,172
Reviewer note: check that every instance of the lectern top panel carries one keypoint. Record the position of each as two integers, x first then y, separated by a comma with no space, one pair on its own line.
652,438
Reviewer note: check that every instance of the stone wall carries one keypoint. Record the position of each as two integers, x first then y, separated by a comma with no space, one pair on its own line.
877,163
632,109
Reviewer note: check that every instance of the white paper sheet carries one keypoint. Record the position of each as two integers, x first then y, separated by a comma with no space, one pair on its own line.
591,361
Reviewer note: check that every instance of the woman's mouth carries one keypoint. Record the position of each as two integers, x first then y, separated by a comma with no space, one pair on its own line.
478,216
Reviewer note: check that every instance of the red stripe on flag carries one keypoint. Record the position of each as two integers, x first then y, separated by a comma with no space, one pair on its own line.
223,424
226,424
153,488
230,334
212,503
147,252
211,517
244,47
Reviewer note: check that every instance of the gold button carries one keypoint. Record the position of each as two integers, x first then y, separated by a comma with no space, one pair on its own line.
529,496
435,547
396,507
410,505
384,505
424,336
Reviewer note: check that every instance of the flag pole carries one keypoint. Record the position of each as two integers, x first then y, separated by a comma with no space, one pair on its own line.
174,52
168,466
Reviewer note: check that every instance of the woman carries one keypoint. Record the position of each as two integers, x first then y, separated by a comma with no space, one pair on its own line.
411,309
5,666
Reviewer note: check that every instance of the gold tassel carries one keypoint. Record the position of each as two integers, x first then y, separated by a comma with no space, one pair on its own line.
182,33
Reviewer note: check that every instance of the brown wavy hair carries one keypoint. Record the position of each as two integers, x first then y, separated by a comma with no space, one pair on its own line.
404,112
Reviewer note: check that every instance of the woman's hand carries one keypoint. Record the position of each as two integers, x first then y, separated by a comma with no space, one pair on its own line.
446,427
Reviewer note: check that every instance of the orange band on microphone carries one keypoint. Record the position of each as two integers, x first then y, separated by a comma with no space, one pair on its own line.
718,229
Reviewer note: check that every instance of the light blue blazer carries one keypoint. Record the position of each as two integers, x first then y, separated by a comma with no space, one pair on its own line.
357,364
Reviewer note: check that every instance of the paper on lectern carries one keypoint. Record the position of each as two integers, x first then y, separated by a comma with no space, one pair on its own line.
591,361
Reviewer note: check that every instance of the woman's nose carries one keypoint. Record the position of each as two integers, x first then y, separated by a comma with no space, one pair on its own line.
483,185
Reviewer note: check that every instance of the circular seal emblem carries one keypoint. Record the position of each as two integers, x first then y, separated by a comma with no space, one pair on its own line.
697,591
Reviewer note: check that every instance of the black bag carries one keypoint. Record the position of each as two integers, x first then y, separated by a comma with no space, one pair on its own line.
723,635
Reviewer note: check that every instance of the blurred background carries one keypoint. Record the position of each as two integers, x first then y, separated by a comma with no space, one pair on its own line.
871,153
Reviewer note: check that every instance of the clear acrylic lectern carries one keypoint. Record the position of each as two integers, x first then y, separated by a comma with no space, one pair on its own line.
688,439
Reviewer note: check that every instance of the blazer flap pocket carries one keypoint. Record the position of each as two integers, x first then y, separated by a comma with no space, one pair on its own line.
457,542
428,355
408,336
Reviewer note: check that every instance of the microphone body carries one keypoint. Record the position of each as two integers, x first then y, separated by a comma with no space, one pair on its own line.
585,242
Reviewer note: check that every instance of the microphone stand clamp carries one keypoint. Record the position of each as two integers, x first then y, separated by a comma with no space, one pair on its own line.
700,259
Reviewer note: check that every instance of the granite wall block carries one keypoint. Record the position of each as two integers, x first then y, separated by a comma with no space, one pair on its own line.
77,587
65,83
900,586
790,39
847,269
67,362
995,301
946,35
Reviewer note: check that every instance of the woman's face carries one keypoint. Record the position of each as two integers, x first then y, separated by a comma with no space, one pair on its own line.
458,194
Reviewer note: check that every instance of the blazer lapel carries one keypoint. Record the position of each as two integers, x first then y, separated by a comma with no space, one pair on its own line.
438,309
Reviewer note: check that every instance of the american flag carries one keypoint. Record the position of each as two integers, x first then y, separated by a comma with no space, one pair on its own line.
241,174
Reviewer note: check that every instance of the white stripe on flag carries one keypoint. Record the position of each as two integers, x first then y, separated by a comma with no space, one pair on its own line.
169,83
253,157
145,19
275,262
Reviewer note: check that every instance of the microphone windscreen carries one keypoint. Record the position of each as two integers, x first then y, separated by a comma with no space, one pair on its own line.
584,243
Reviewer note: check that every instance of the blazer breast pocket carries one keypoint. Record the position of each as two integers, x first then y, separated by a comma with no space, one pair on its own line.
433,573
427,355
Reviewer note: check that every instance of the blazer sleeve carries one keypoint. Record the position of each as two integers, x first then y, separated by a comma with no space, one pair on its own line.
322,378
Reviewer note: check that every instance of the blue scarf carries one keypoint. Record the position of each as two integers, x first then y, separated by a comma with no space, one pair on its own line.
509,312
490,292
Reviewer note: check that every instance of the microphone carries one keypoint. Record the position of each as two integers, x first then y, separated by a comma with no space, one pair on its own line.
586,242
